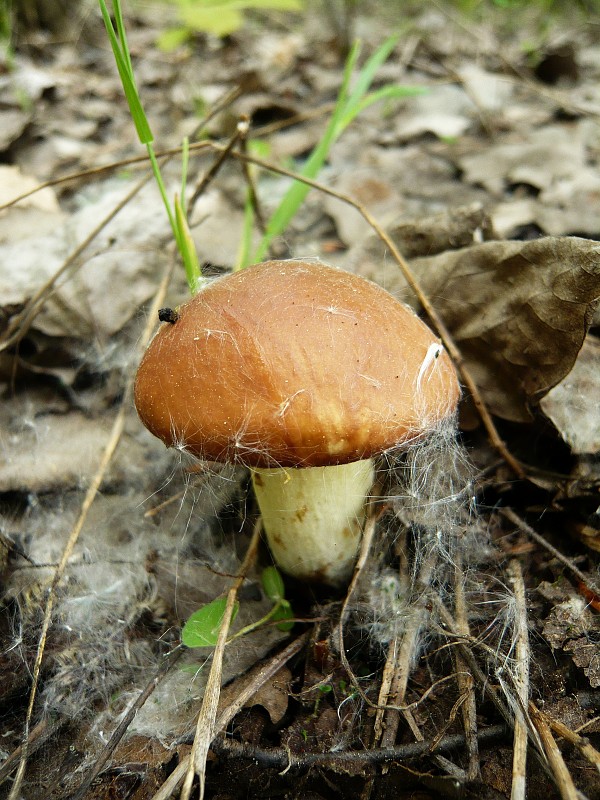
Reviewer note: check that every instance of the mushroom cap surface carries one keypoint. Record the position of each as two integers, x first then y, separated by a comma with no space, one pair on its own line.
294,364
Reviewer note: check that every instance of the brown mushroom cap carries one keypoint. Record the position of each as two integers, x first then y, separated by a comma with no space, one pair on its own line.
296,364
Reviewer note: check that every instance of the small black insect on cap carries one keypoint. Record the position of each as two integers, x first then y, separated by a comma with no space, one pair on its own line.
168,315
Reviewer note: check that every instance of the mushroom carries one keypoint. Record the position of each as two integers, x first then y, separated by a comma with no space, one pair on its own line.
304,373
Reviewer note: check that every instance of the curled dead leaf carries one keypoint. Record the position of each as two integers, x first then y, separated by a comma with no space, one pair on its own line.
519,311
273,696
572,405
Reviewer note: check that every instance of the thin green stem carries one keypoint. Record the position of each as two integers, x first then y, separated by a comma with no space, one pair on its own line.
176,212
254,625
162,189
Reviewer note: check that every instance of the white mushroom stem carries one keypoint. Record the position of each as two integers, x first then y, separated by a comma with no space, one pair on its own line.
313,517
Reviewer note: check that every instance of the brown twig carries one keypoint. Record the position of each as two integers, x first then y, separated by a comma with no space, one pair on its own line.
385,687
580,742
450,626
222,156
521,683
279,757
206,725
38,735
391,660
251,188
562,776
169,661
259,677
464,679
533,534
406,653
338,633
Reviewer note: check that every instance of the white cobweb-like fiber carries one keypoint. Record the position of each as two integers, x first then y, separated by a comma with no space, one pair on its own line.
433,520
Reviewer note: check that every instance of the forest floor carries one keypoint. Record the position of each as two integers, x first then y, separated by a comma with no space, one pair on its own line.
464,661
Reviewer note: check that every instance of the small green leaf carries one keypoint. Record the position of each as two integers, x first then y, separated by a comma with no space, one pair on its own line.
222,17
284,612
123,62
219,22
187,248
385,93
173,38
272,583
202,628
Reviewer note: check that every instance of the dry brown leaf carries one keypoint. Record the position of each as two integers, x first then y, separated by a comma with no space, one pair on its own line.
46,453
542,159
519,311
458,227
370,189
572,627
273,696
572,405
491,92
445,111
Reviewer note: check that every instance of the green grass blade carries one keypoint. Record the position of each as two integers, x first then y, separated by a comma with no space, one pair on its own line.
123,62
347,107
177,218
187,248
295,195
122,34
385,93
244,254
367,73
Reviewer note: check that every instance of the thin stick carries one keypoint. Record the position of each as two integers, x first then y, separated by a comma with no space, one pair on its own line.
21,322
251,186
562,776
214,168
520,523
464,679
280,757
483,678
263,674
38,735
206,725
580,742
90,496
449,626
121,728
385,687
521,683
406,656
393,647
409,643
363,555
338,631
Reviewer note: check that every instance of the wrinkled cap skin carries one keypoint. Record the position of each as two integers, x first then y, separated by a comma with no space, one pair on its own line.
294,364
